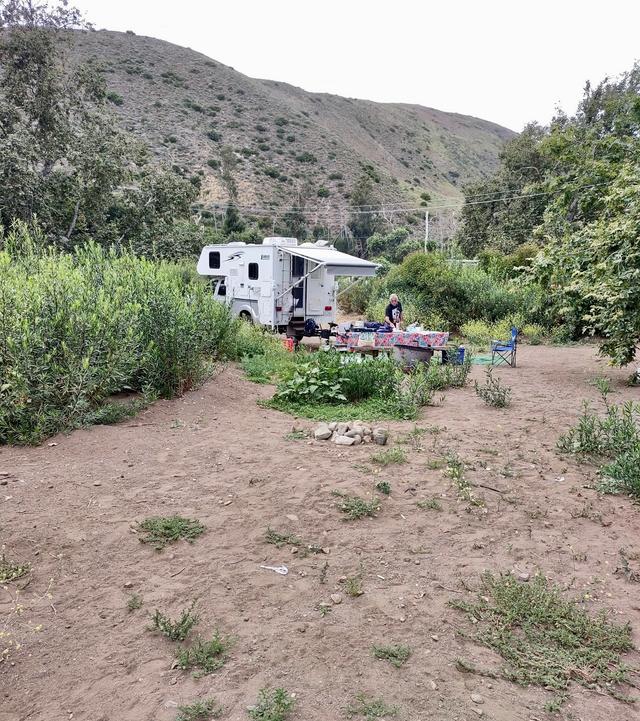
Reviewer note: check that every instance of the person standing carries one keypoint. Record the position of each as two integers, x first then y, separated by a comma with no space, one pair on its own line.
393,312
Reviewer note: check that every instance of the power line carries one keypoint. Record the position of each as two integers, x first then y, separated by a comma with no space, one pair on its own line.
336,212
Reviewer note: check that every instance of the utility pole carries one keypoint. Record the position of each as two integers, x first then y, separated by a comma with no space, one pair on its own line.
426,229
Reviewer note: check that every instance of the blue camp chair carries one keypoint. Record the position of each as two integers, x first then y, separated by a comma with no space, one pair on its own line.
505,351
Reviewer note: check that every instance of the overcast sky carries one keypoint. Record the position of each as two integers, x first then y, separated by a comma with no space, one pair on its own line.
509,62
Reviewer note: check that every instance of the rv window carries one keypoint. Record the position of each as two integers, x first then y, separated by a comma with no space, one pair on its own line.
214,259
253,271
297,266
222,289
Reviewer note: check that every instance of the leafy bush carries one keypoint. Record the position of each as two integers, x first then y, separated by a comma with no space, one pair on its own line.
306,158
273,705
174,630
76,328
623,474
115,98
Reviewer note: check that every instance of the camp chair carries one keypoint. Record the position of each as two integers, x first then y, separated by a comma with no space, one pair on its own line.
505,351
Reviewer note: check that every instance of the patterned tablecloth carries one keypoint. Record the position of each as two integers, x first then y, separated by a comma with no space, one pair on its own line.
415,339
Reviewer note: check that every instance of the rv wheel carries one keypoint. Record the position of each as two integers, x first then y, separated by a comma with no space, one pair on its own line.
245,315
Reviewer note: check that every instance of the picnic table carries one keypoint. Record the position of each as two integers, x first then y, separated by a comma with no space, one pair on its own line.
407,346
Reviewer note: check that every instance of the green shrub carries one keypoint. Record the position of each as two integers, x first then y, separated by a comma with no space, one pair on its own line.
76,328
306,158
533,333
114,98
493,393
323,192
623,474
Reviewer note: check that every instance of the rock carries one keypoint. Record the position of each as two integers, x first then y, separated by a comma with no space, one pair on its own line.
344,441
342,428
478,711
357,440
336,598
523,577
367,430
434,685
4,483
128,584
380,436
291,517
333,425
322,432
97,483
434,637
477,698
355,431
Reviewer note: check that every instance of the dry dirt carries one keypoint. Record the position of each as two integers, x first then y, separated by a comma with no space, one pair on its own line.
69,507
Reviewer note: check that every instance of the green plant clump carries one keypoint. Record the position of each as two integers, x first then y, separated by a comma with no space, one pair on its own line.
161,530
384,487
199,711
206,656
396,654
370,708
355,507
389,456
77,327
546,640
273,705
493,393
12,571
175,630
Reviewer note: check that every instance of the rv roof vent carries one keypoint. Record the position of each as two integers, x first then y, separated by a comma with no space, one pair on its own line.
307,245
236,243
280,241
322,243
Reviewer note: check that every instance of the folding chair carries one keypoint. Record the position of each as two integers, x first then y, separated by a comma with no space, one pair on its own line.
505,351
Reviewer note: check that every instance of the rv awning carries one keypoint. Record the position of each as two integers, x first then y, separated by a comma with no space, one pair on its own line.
333,260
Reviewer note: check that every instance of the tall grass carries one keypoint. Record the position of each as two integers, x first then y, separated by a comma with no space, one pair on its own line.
76,328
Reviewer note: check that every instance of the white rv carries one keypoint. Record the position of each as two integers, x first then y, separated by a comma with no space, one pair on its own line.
280,284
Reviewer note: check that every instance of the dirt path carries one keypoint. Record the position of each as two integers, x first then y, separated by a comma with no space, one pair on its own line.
214,455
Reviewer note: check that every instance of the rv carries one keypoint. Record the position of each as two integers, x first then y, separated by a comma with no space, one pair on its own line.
281,284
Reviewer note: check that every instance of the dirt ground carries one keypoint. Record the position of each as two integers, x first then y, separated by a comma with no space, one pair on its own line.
70,507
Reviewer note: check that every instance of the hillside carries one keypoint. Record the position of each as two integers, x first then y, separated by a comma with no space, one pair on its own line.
287,142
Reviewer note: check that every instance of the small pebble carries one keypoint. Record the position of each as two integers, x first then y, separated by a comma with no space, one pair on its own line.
434,685
477,698
128,584
336,598
97,483
435,637
523,577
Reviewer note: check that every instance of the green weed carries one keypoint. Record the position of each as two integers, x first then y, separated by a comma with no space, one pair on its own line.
297,436
199,711
355,507
161,530
396,654
206,656
383,487
493,393
353,586
281,539
455,471
389,456
273,705
134,602
430,503
370,708
546,640
175,630
12,571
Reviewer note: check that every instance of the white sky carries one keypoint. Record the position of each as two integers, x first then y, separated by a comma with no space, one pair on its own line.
505,61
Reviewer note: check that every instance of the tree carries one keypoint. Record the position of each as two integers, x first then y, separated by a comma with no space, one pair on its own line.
364,221
503,211
63,161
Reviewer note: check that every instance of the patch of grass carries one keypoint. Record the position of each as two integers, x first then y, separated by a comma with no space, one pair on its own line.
325,609
353,586
10,571
546,640
430,503
395,654
297,436
370,409
389,456
281,539
436,463
199,711
383,487
112,413
355,507
175,630
206,656
493,393
370,708
273,705
162,530
134,602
